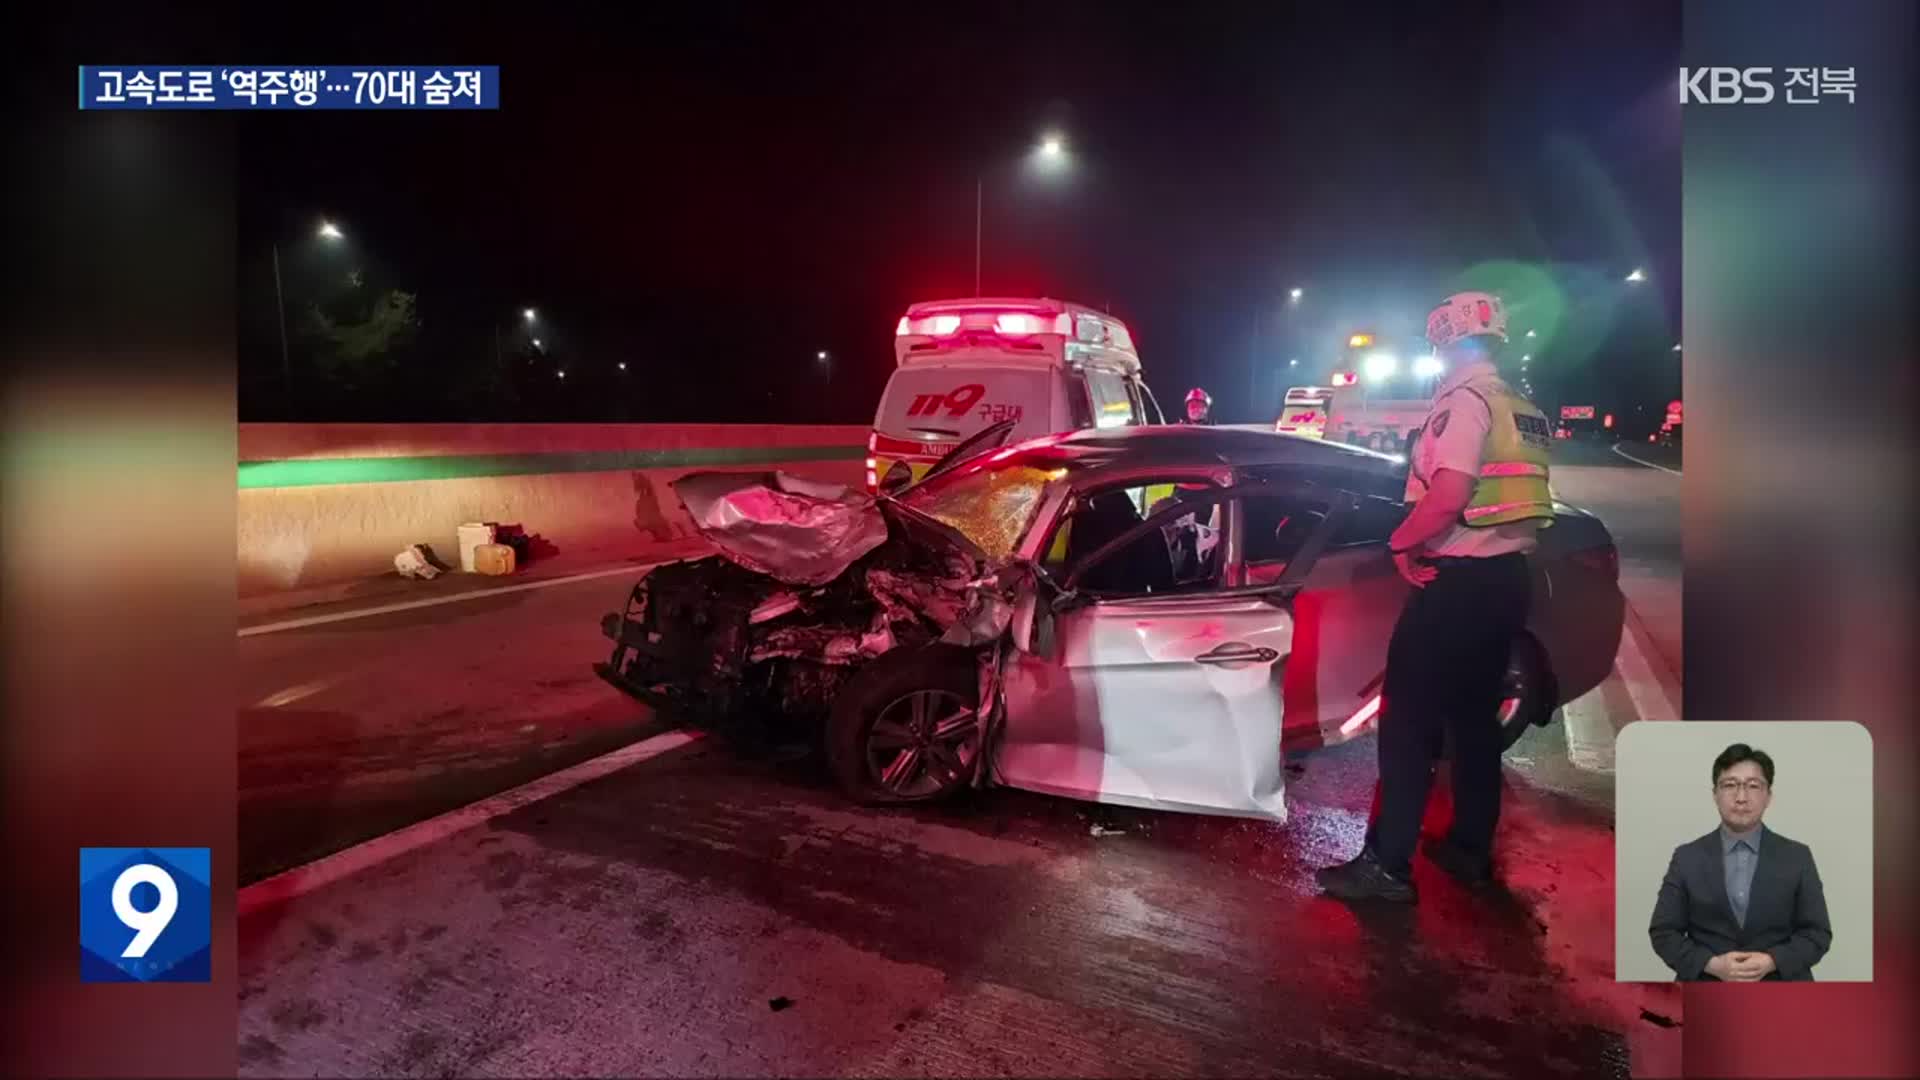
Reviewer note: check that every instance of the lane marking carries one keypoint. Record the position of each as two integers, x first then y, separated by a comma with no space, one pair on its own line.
368,853
296,693
410,605
1589,730
1644,688
1648,464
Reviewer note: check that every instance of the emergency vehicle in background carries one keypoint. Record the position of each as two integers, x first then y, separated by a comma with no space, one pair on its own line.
1373,420
1304,411
961,365
1382,412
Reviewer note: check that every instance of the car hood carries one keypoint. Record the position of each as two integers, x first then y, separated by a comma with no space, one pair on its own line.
800,531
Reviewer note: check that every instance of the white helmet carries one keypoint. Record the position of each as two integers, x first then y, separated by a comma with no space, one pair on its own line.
1465,315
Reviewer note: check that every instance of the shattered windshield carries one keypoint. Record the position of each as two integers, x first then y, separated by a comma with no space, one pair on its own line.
992,506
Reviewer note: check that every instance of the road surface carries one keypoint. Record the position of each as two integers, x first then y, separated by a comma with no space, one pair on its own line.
1641,507
709,911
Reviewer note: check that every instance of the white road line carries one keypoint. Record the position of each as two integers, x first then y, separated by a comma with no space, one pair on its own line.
1650,700
409,605
340,864
295,693
1648,464
1590,732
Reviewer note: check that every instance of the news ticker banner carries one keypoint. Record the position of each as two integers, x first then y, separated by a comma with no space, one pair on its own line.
296,87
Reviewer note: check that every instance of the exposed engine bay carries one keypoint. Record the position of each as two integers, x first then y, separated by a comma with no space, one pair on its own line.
811,581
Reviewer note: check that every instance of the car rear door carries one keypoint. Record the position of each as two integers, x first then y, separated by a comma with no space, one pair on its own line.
1167,699
1344,612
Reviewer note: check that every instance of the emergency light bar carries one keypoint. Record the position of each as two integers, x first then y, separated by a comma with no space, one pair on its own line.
1345,378
1010,323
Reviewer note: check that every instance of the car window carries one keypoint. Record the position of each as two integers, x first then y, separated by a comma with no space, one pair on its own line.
1370,522
1184,555
991,507
1112,405
1137,394
1276,526
1080,404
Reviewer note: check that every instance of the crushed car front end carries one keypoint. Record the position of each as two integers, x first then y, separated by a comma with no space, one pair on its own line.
809,584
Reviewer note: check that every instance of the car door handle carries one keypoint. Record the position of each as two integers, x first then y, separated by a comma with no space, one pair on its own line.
1238,653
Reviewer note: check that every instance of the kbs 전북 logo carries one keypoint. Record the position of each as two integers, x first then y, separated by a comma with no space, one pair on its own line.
146,915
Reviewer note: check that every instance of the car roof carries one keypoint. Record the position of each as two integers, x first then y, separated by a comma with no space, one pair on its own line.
1181,446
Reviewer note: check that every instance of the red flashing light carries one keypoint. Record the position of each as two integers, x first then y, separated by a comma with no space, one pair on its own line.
1653,438
1607,421
1345,378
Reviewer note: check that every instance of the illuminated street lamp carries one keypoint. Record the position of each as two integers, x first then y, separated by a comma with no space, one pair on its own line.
1295,362
1051,155
562,373
529,314
623,365
1380,366
536,343
1637,275
1530,333
1295,294
327,231
1676,347
821,355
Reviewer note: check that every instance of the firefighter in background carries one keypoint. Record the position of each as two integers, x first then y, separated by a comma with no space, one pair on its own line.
1199,407
1477,480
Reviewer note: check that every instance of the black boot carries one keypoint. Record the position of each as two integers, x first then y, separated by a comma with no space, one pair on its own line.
1462,865
1365,879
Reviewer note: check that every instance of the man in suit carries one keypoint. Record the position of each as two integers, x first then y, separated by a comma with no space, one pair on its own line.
1742,903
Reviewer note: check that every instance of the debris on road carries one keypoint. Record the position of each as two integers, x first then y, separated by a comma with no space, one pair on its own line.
416,563
1658,1020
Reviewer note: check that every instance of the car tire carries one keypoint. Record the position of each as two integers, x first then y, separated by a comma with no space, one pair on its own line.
874,721
1532,696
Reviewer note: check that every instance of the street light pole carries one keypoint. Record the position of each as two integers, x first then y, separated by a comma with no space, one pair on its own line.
979,184
280,301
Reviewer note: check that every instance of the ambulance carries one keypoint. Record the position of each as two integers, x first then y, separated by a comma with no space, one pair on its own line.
1304,411
961,365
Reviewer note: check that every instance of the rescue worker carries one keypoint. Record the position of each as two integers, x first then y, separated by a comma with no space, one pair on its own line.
1199,407
1477,480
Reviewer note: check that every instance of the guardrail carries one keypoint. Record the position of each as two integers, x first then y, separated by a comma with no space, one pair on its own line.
327,504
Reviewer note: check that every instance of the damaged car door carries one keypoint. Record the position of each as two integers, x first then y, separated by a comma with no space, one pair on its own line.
1130,685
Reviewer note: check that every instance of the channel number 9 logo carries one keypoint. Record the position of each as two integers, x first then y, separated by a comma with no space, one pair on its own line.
145,915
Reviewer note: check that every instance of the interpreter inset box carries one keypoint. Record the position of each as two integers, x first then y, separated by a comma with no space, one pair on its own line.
1743,852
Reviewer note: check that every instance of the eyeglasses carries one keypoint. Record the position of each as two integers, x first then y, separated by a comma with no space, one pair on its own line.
1728,787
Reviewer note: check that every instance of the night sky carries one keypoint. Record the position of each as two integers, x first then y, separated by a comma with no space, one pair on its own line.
712,198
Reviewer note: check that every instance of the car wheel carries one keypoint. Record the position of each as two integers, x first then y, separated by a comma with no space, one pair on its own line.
907,727
1530,697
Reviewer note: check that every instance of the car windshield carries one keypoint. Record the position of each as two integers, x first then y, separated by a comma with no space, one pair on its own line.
992,503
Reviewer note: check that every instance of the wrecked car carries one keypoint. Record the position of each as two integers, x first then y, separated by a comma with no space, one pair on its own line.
1044,616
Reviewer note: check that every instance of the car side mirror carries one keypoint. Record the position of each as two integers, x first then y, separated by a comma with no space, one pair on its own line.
898,479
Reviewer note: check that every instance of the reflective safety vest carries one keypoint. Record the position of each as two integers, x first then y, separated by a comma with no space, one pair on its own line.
1512,486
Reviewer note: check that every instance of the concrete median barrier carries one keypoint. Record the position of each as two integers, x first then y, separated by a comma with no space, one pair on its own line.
328,504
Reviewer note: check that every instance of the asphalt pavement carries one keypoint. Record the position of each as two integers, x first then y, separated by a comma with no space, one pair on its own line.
710,911
1640,505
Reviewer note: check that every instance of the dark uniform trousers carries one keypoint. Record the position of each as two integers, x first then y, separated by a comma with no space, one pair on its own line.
1446,670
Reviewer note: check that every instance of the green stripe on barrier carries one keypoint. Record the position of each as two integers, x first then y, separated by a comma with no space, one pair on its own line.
388,470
